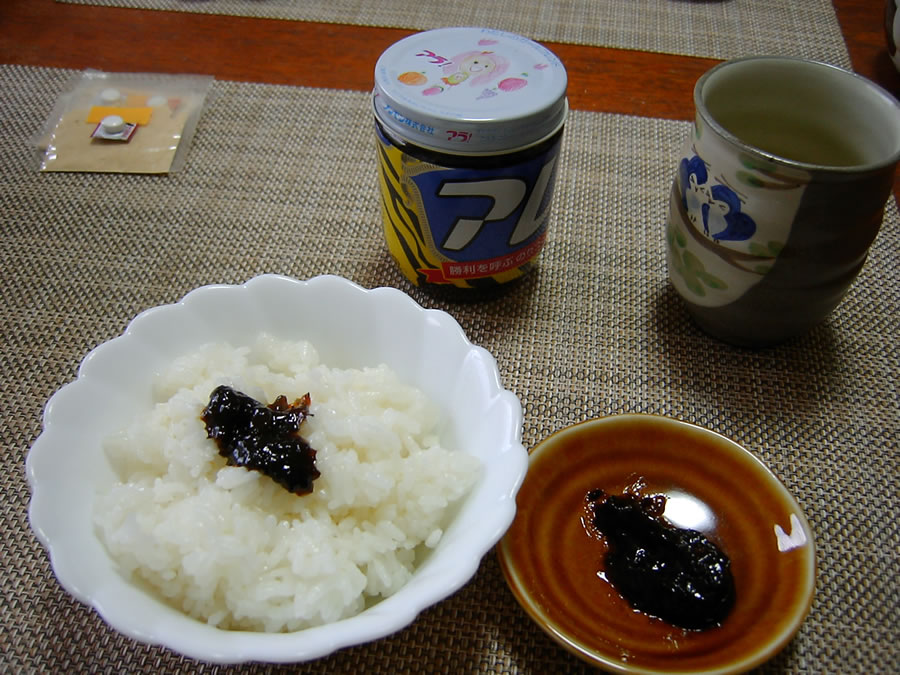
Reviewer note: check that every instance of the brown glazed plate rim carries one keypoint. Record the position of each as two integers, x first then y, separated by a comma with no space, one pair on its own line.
554,568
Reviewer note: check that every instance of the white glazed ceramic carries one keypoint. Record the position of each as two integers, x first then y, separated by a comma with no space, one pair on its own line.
778,195
350,327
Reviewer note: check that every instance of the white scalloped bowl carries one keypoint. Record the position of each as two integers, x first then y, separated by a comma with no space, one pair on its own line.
350,327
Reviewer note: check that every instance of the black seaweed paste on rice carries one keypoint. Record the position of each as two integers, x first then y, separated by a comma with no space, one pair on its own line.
233,548
264,438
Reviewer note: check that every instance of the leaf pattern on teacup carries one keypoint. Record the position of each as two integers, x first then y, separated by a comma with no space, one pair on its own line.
762,174
689,266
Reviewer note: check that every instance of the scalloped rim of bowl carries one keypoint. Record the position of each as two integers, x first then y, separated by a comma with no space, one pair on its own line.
65,464
589,653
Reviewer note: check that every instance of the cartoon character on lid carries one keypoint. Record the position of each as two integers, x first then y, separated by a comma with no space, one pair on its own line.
477,67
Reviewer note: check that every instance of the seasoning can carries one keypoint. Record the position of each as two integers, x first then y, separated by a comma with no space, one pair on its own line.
469,124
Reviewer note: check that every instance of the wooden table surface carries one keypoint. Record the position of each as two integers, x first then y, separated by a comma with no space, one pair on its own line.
48,33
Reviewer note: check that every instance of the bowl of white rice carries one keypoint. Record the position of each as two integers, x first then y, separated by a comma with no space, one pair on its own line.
176,541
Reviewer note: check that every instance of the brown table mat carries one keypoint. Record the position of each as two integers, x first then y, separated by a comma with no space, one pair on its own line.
713,29
597,330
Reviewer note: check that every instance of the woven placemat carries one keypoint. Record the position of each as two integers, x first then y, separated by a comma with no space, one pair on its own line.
712,29
596,330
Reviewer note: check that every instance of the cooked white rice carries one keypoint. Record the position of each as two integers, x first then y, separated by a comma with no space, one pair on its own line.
233,548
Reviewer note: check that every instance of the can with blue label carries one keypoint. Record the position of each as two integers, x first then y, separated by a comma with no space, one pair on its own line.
469,123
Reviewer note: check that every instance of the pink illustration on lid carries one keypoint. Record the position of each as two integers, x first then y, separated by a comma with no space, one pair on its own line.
511,84
480,66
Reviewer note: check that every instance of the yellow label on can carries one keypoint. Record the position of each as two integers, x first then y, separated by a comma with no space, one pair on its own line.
467,227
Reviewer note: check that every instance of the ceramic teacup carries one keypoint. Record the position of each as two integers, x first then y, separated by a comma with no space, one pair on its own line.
779,193
892,30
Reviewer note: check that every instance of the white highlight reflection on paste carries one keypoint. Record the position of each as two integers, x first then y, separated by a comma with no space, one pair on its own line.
688,512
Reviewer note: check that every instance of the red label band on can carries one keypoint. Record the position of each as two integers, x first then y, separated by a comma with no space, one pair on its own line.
469,125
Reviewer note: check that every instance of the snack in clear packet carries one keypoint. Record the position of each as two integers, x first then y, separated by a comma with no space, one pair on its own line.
123,123
114,128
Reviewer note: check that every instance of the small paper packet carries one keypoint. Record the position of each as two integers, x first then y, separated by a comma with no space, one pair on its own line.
123,123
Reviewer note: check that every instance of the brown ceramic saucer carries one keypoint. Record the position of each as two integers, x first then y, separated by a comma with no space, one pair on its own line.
555,568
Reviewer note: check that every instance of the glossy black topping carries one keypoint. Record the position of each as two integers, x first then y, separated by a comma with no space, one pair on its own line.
262,438
677,575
